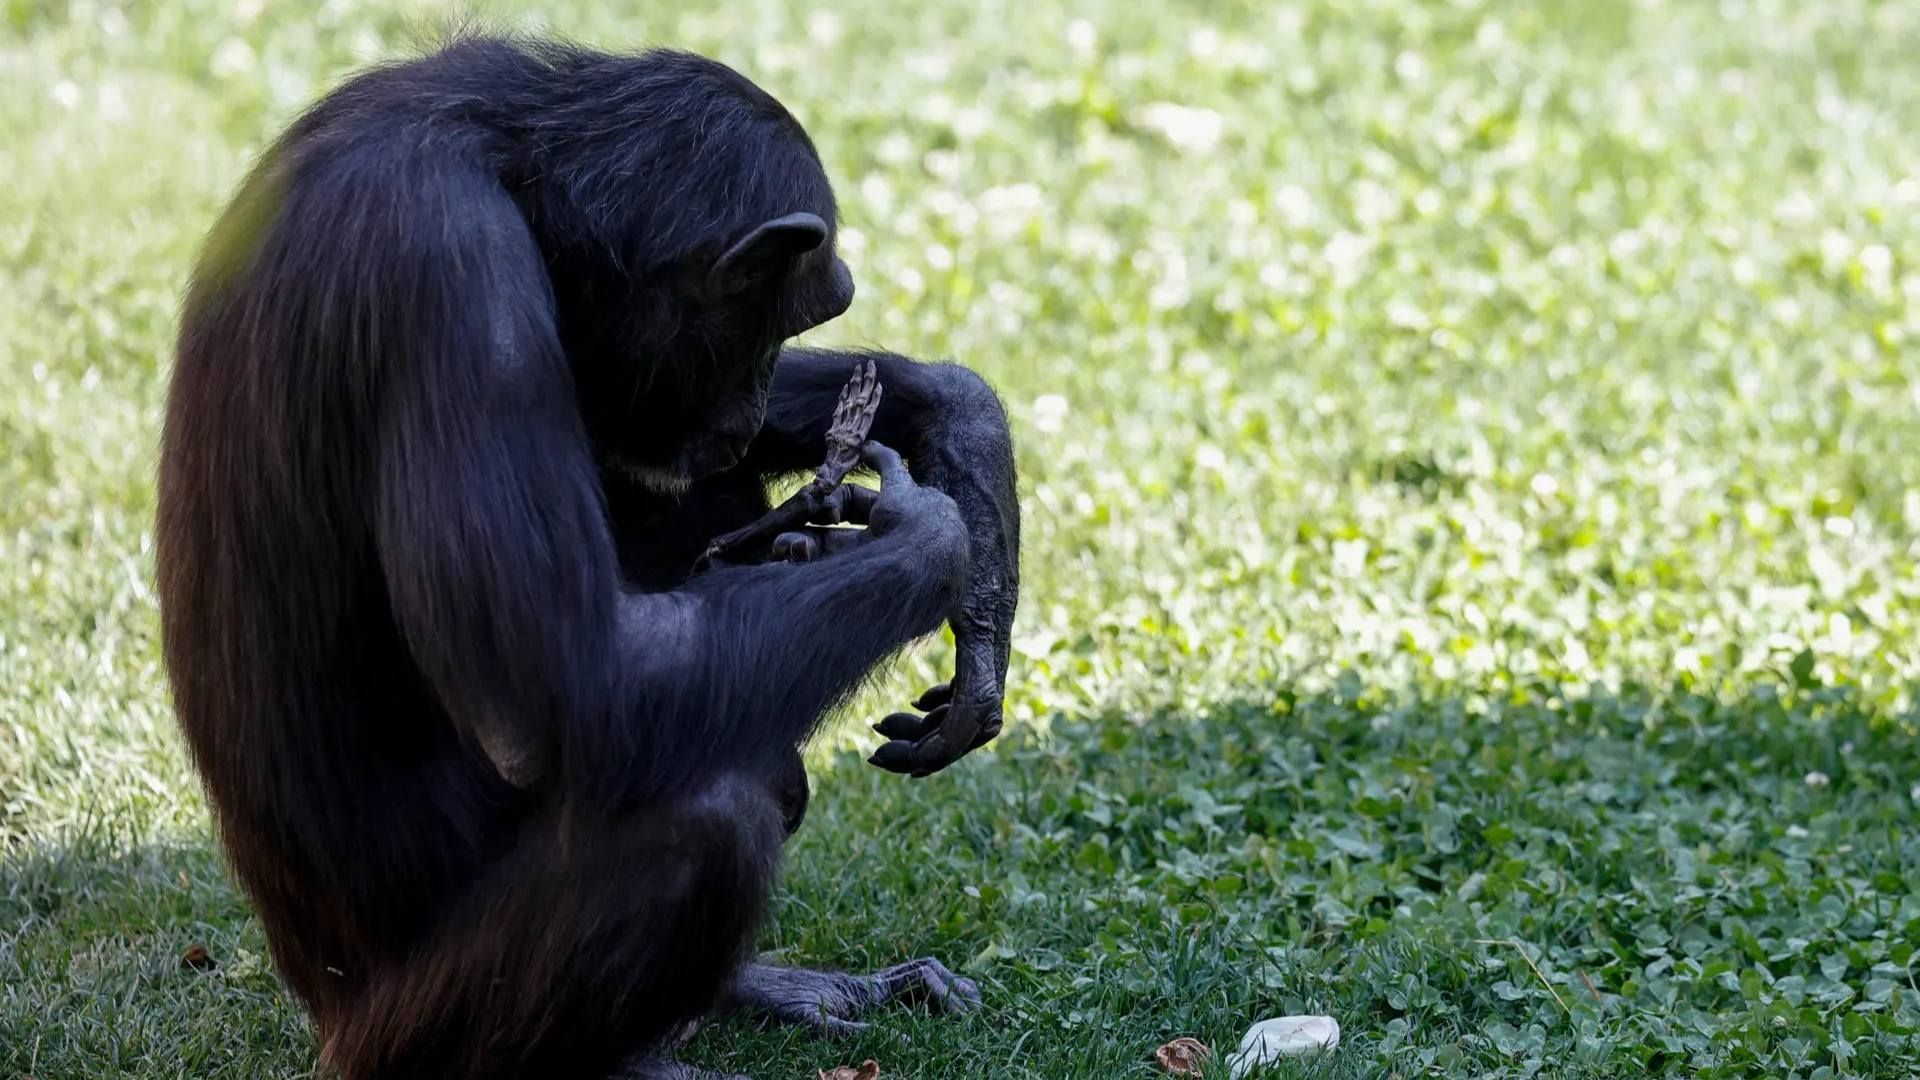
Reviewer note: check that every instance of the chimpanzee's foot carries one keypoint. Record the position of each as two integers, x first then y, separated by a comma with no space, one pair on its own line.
831,1003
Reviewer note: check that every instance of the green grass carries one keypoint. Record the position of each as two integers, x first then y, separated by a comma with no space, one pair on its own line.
1472,479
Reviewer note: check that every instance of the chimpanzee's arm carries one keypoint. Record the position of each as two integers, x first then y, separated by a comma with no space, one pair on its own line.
953,431
493,541
762,652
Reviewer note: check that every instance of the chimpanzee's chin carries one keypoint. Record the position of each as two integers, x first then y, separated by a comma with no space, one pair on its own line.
706,457
659,479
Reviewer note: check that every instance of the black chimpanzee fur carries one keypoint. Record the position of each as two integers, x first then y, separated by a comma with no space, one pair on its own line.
484,352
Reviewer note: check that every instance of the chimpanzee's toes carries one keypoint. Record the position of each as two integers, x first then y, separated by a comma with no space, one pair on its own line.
829,1003
929,980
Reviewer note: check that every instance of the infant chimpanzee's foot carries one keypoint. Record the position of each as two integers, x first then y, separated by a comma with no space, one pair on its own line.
831,1003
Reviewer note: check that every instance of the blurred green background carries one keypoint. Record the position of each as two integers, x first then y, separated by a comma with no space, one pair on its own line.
1471,462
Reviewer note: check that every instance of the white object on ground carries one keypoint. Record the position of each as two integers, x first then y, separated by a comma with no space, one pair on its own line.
1285,1036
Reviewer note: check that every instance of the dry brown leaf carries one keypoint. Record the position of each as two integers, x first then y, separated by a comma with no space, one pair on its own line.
1184,1057
868,1070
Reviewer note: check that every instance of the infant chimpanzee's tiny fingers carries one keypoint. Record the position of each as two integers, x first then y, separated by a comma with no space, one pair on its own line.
859,400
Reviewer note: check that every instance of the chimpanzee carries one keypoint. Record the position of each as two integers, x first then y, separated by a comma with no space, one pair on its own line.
485,351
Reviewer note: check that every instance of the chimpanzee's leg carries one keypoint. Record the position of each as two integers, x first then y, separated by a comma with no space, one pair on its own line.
593,943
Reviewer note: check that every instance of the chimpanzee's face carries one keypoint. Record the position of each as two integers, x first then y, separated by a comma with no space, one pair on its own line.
701,418
819,289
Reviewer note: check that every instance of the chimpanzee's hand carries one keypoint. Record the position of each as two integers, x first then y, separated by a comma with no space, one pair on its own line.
952,728
961,715
903,504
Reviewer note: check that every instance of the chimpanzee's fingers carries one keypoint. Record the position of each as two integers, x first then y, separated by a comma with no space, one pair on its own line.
833,1027
921,747
856,503
930,981
883,460
909,726
795,547
968,993
848,504
931,754
935,697
919,759
895,756
959,732
900,725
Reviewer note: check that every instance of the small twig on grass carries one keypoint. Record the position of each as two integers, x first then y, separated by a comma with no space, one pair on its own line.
1514,944
1591,989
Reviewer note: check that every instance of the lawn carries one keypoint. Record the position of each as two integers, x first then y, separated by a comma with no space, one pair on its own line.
1471,467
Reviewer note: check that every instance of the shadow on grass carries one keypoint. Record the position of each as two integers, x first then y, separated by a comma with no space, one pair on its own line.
93,978
1471,883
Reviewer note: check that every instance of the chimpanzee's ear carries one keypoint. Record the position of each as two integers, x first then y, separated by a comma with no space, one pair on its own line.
766,251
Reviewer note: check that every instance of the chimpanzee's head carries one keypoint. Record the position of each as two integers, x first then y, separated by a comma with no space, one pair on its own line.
780,279
709,222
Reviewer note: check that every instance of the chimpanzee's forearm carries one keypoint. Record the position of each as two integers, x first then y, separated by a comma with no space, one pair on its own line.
953,430
739,663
